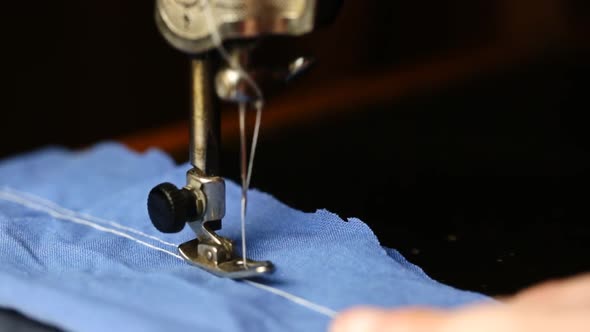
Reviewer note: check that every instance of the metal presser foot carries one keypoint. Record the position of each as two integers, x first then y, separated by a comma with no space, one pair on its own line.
201,203
214,254
202,199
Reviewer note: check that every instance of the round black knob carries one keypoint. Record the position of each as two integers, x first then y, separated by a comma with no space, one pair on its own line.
170,208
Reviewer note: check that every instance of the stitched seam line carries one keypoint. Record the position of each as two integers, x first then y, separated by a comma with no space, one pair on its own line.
54,206
61,213
34,206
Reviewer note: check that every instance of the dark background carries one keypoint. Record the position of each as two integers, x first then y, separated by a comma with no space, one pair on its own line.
455,128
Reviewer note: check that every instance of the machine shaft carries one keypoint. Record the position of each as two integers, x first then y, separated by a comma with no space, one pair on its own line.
205,128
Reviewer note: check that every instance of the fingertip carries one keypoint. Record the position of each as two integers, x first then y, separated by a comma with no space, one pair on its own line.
357,320
376,320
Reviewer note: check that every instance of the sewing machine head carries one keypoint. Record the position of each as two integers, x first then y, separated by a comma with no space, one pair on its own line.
198,27
219,35
186,23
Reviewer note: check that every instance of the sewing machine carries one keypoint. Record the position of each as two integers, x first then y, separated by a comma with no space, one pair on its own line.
220,36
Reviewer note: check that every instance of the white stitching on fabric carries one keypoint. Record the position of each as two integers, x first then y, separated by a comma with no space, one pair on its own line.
10,195
52,205
58,215
296,299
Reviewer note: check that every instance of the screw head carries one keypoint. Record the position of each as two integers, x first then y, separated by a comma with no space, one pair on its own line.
170,208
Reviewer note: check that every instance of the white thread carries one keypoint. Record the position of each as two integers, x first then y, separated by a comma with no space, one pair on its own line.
50,204
296,299
254,142
246,170
27,202
243,171
248,176
34,206
218,43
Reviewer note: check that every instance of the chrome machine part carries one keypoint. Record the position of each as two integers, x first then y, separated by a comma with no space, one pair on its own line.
184,22
205,138
214,254
210,190
210,251
187,25
213,258
232,86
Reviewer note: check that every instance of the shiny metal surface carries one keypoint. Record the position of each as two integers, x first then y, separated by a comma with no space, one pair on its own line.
204,118
298,67
232,86
213,253
183,22
209,250
210,193
231,83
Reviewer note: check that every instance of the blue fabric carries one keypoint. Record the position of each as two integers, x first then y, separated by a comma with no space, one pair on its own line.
77,251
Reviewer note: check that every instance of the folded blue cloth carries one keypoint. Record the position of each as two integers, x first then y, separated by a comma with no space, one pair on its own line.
78,251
